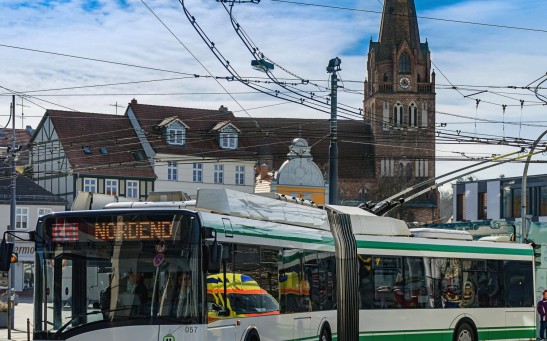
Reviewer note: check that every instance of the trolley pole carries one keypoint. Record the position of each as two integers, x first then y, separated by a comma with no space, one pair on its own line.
333,67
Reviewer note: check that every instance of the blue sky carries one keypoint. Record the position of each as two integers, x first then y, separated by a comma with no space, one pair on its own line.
302,39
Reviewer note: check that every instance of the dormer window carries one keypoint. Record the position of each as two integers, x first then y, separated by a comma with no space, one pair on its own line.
176,133
228,137
228,140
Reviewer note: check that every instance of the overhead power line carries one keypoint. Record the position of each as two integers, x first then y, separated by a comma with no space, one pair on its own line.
418,16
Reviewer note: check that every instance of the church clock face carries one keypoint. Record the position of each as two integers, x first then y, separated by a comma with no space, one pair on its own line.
404,82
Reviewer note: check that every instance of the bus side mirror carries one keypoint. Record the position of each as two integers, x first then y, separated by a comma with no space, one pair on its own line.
214,253
6,253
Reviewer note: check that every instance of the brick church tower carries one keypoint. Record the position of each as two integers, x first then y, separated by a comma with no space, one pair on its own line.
399,104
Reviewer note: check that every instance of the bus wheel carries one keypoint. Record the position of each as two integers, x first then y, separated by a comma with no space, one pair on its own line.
464,333
252,336
325,333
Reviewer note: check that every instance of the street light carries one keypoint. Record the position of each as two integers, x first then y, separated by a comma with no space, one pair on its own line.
333,67
262,65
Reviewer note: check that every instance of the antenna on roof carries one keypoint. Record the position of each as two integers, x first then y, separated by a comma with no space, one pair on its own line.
117,106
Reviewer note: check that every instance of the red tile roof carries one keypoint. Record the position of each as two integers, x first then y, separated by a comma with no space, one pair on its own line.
77,130
201,140
22,138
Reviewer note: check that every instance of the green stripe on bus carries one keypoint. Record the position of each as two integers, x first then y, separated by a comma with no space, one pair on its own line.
368,244
499,333
250,231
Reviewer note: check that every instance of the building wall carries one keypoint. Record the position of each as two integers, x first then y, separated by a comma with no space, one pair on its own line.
185,182
471,201
24,249
49,163
493,199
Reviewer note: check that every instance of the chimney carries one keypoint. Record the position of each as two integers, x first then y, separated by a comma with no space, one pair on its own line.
264,171
133,101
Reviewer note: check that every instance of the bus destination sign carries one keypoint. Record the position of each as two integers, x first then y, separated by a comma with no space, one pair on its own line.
134,230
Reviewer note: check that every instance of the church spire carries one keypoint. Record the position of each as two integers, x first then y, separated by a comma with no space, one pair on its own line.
399,23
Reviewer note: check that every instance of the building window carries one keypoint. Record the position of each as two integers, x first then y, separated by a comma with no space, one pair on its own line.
132,189
176,134
172,170
21,217
460,207
543,201
516,202
90,185
240,175
412,115
44,211
398,115
404,63
111,187
506,203
482,206
385,77
228,138
422,168
408,171
87,150
386,167
219,174
197,172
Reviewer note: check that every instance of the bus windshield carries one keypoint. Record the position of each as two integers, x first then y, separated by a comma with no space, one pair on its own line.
105,269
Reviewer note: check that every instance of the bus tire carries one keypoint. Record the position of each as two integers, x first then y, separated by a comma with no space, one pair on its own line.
252,335
325,333
464,332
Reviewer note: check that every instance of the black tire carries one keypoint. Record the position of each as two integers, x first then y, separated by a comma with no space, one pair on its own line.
464,333
325,333
252,336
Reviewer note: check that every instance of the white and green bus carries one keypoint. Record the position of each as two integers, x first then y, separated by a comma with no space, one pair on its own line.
248,268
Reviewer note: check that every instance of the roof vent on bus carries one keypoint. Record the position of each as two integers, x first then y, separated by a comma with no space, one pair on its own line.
424,232
496,239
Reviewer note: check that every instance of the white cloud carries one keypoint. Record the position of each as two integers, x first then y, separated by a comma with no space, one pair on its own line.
302,39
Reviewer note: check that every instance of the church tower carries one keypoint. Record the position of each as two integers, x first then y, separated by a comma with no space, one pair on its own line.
399,104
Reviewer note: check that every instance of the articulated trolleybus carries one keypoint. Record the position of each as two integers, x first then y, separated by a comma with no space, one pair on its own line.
242,267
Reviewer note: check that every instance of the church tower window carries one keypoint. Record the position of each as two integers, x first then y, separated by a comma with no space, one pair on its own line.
412,115
385,76
404,63
398,115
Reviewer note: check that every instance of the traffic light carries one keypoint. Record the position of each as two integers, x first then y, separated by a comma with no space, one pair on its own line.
6,255
537,254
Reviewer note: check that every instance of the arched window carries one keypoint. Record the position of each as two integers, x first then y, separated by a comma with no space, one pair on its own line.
412,115
398,115
401,168
404,63
385,76
419,78
408,171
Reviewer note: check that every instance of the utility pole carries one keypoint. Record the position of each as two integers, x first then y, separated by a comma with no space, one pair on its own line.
523,191
13,205
332,68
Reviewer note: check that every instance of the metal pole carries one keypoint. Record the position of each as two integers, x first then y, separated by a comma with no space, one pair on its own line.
523,191
334,65
13,205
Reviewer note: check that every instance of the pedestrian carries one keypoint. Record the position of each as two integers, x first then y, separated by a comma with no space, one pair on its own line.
542,310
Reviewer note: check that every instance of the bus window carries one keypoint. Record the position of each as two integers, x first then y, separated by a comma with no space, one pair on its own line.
415,290
451,284
388,282
518,281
